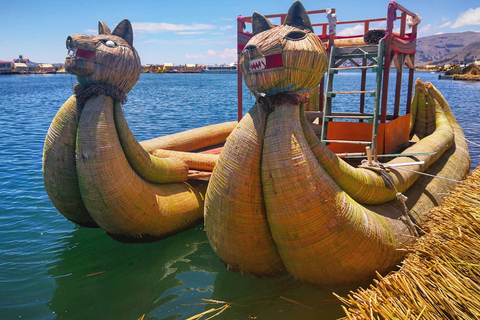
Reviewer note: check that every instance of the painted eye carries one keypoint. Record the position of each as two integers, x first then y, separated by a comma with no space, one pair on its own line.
296,35
109,43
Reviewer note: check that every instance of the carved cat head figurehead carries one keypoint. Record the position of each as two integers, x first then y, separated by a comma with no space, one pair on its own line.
287,58
107,58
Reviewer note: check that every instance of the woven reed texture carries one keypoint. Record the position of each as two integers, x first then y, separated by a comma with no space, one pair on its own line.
352,42
118,66
366,186
197,161
148,167
191,140
121,202
322,235
304,62
424,112
454,164
235,218
440,277
313,200
59,165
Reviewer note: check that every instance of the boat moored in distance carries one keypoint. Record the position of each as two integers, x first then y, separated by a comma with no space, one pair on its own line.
227,69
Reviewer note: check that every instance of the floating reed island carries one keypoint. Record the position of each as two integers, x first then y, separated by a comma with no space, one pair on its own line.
440,277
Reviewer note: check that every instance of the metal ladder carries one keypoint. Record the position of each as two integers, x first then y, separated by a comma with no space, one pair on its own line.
338,56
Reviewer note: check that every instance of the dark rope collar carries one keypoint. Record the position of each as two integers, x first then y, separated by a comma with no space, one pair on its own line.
83,92
268,102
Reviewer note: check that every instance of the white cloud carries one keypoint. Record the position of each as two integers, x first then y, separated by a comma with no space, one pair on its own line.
91,31
226,27
190,32
353,31
153,27
425,29
469,17
229,53
195,56
446,24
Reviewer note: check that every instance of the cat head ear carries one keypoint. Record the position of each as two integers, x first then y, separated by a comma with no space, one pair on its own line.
124,30
260,23
297,17
103,28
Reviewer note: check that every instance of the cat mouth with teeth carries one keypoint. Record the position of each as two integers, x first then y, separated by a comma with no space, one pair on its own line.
286,58
265,63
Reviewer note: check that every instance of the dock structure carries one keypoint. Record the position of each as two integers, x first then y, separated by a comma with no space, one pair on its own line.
440,277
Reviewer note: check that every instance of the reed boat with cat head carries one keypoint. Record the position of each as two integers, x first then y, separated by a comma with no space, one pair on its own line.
98,175
305,186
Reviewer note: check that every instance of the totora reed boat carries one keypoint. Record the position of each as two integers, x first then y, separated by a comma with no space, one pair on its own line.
289,193
95,171
303,185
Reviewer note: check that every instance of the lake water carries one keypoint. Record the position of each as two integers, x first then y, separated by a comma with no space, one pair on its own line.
52,269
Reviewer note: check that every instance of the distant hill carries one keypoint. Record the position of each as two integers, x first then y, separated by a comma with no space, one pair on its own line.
448,48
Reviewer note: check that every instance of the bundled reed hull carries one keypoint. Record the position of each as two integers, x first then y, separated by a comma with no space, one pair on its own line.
325,230
95,171
330,223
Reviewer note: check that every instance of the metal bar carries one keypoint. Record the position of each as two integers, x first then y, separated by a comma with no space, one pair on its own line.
355,68
386,74
363,86
411,80
239,77
351,92
321,97
398,89
349,141
392,155
327,109
350,117
357,55
378,89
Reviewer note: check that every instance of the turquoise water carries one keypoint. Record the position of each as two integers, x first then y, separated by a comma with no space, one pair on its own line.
52,269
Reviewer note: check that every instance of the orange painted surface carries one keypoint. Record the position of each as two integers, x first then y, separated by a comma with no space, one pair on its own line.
390,135
397,133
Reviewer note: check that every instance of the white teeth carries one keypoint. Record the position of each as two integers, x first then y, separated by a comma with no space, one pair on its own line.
72,52
258,64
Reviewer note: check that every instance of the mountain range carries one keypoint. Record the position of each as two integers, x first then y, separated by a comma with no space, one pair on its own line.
448,48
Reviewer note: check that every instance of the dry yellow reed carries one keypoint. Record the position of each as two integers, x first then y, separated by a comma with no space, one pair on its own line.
440,278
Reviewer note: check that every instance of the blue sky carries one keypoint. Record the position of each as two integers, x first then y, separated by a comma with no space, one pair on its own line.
191,31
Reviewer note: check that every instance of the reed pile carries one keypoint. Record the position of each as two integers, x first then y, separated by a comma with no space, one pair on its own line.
440,278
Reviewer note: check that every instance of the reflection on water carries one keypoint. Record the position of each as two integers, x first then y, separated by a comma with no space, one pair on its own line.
96,277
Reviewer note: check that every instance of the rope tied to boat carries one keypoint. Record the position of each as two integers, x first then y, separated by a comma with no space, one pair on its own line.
83,92
268,102
383,170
